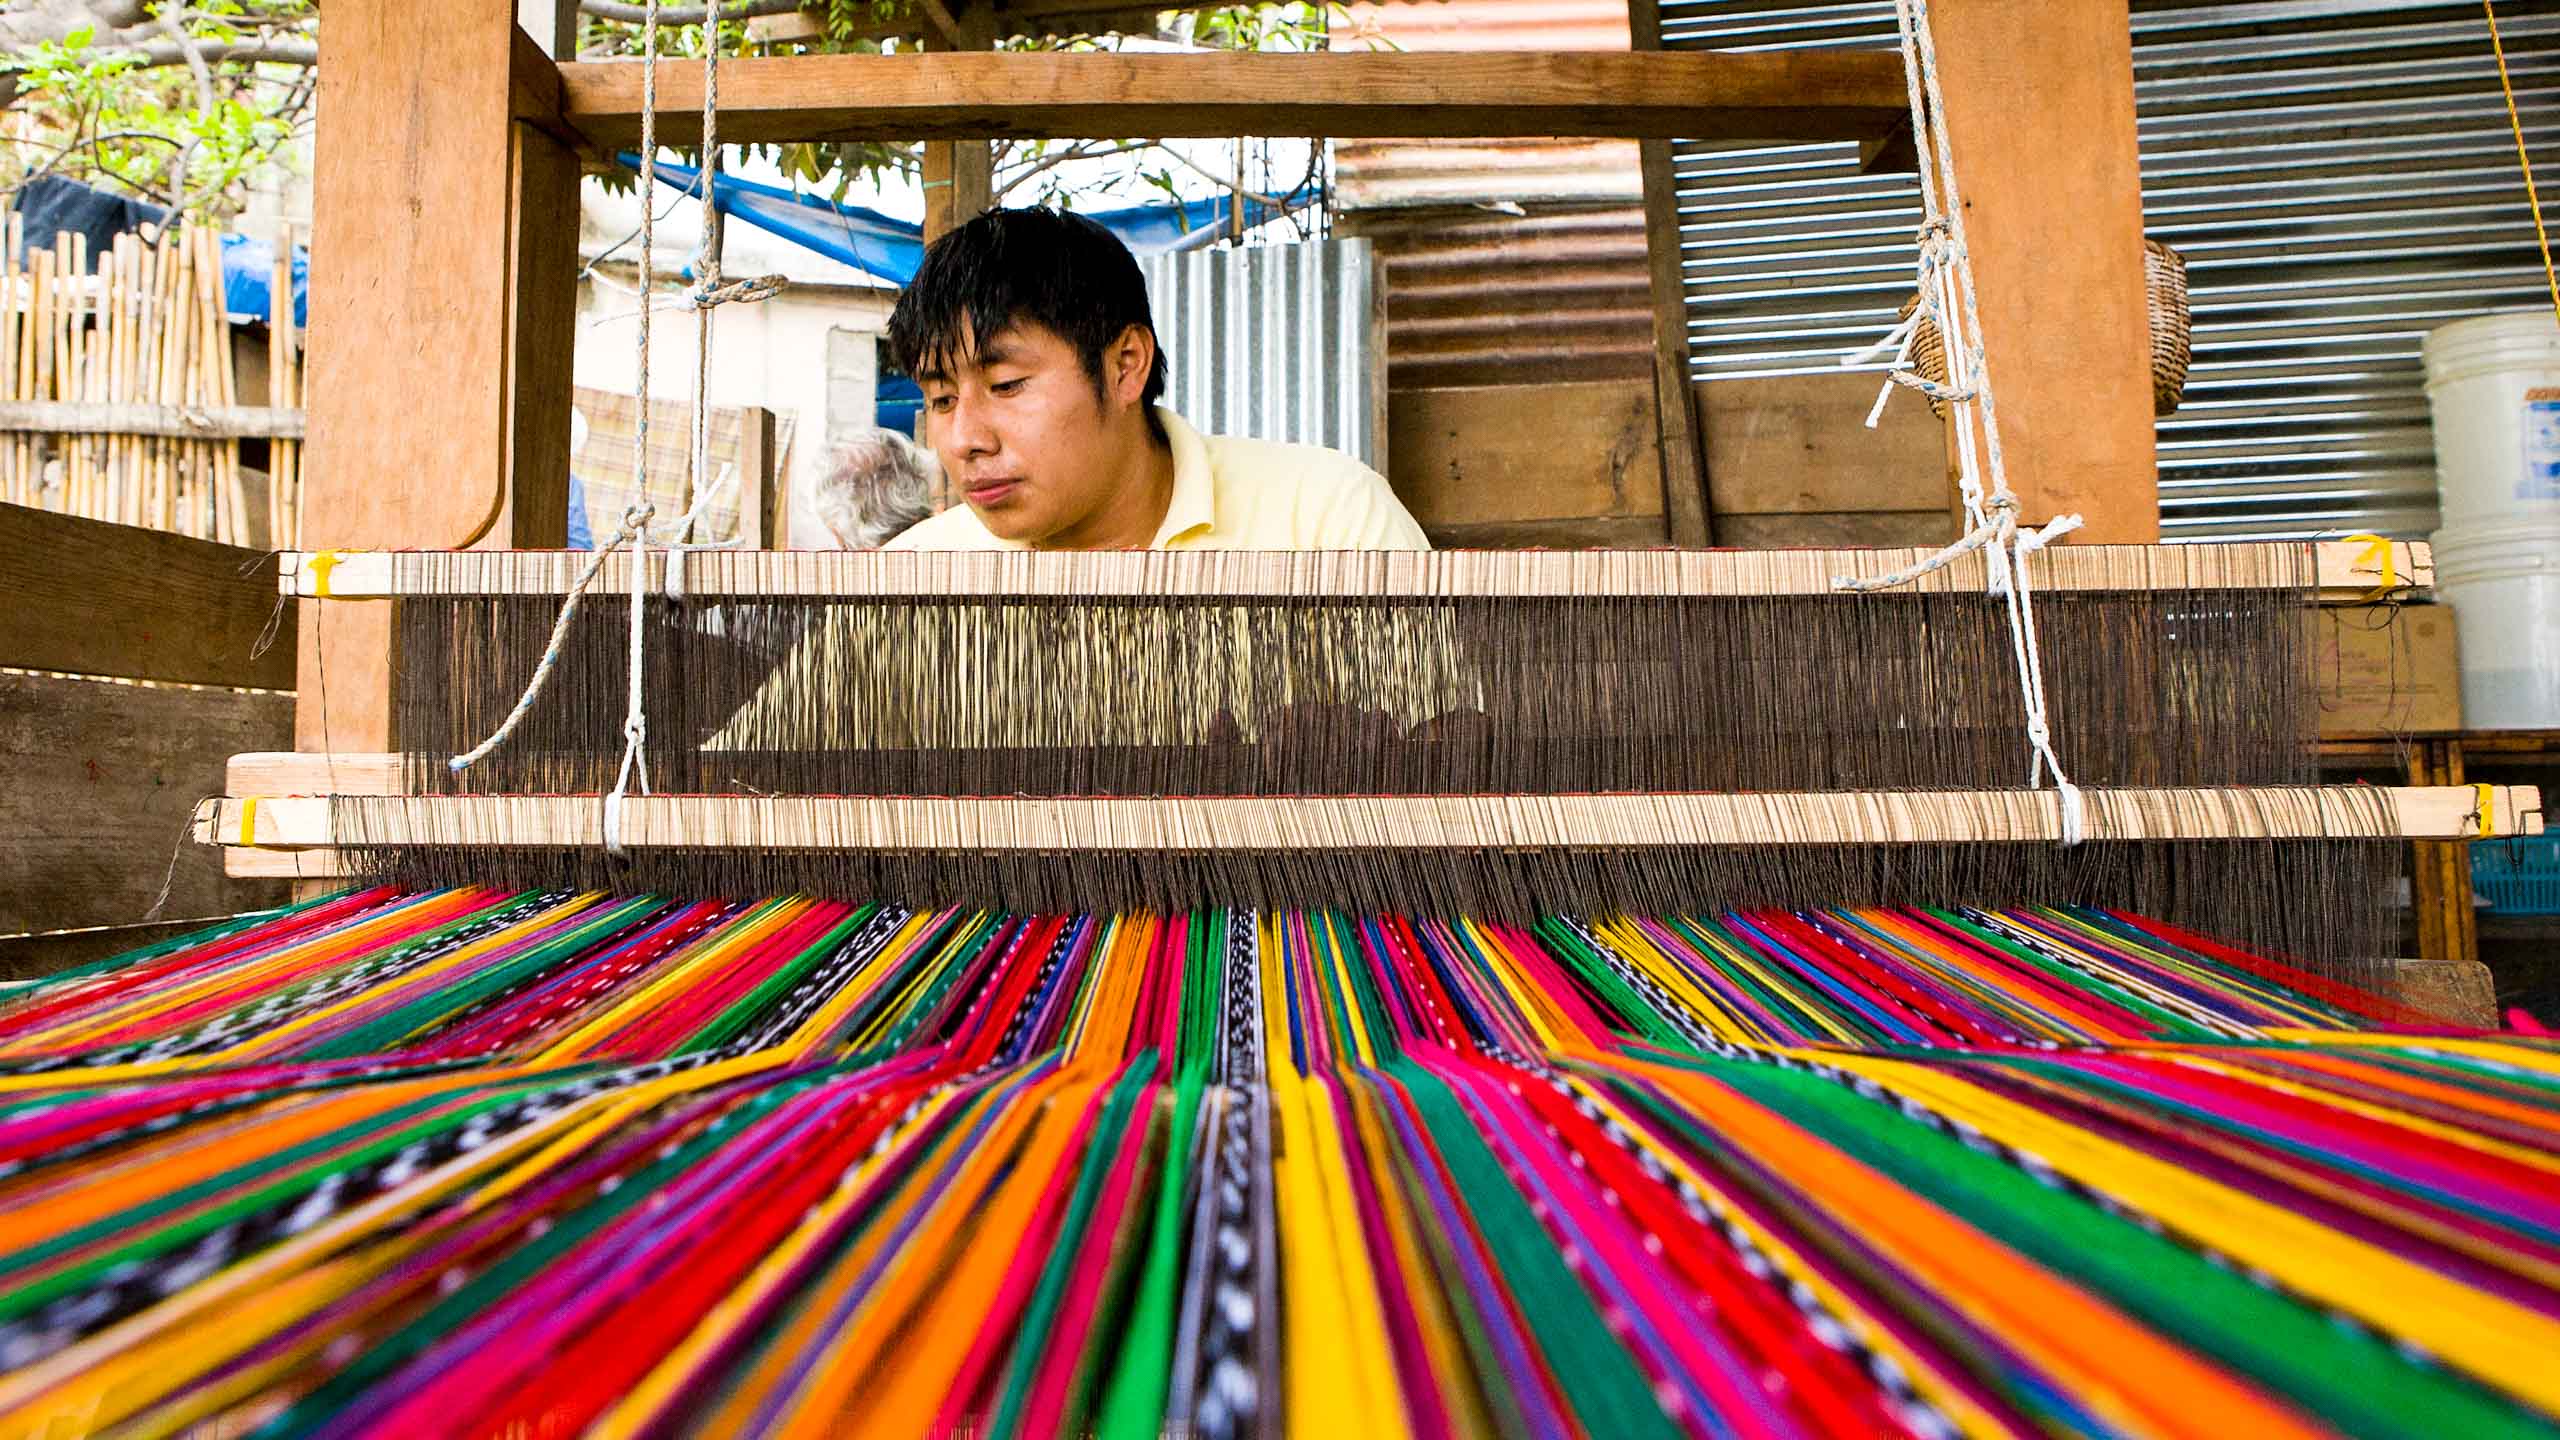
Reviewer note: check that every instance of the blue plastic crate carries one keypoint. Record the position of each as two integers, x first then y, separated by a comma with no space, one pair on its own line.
2518,877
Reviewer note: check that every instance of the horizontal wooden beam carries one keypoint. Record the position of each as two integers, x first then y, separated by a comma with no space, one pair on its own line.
1033,17
182,422
90,597
2342,571
1364,823
1704,95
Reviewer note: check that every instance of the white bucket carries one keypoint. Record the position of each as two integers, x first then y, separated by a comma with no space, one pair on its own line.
2504,587
2494,385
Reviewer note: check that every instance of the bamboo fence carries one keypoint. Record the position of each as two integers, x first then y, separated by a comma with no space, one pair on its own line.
141,324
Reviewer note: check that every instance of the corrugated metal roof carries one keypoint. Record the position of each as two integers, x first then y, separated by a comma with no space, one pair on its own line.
1508,261
2338,173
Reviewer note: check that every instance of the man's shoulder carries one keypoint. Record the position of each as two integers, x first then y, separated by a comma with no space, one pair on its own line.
957,528
1281,496
1309,467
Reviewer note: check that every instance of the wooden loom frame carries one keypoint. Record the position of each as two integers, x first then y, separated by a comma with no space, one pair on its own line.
540,116
279,818
2342,572
446,345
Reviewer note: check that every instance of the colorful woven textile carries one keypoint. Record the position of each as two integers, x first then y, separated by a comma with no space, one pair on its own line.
470,1163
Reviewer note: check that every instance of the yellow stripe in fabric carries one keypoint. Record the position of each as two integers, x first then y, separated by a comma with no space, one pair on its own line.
2334,1100
424,978
1949,1398
84,1377
675,974
2128,1376
231,980
2472,1330
639,1411
850,995
2533,1058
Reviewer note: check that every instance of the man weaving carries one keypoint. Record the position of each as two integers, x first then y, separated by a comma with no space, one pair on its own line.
1030,333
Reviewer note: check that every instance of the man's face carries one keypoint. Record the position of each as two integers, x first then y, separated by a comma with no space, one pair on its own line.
1033,445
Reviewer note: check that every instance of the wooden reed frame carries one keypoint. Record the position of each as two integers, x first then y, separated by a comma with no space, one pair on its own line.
281,818
2344,572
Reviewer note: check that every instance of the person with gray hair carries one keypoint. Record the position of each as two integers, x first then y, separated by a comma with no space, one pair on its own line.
875,485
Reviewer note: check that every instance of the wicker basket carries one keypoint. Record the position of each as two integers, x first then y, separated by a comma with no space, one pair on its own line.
2164,272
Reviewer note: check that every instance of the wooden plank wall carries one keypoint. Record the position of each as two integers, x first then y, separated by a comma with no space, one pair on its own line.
1789,463
102,780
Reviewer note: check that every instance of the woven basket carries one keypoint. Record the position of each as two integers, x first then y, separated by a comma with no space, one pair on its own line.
2164,273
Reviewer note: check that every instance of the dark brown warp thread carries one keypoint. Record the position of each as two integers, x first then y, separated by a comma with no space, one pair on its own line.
1204,696
2320,901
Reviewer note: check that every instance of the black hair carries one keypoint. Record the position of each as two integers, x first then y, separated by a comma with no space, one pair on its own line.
1054,269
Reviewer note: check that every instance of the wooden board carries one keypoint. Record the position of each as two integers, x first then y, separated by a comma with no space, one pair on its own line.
2046,156
101,780
1373,822
1515,454
1821,529
96,598
2458,992
1799,445
1793,95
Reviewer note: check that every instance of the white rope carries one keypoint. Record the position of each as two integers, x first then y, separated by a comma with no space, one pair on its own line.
635,717
673,586
551,651
1947,301
708,293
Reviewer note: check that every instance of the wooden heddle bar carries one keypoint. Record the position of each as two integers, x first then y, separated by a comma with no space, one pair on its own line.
1366,823
2342,572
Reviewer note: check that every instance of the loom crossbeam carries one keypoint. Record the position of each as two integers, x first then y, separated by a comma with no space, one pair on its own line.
1360,823
2341,571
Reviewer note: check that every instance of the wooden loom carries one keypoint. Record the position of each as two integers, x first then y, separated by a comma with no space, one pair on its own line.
577,1200
2077,416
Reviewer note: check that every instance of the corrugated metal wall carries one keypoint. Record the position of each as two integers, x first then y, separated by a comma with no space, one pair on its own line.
1508,261
2338,173
1279,342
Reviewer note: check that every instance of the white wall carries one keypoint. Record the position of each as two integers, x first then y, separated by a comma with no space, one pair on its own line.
773,354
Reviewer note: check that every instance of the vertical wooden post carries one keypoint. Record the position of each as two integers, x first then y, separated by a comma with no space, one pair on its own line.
1686,508
760,511
439,343
959,175
2040,115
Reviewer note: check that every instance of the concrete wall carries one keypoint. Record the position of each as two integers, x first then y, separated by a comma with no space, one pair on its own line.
773,354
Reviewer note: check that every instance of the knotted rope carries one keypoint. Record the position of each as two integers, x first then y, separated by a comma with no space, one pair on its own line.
1947,301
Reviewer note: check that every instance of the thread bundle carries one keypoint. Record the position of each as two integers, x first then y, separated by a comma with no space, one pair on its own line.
475,1162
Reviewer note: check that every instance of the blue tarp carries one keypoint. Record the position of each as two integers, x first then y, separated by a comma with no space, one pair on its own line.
50,204
248,279
892,249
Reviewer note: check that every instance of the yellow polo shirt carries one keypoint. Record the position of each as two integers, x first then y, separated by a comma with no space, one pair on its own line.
1236,494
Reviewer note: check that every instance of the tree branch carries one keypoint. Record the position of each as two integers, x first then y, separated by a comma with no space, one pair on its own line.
1081,150
685,14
